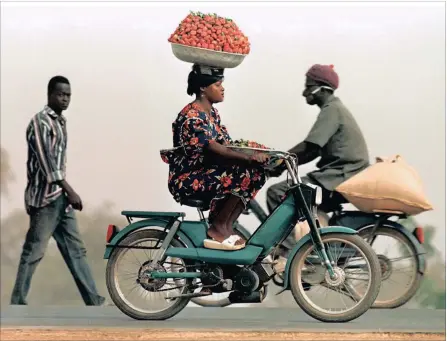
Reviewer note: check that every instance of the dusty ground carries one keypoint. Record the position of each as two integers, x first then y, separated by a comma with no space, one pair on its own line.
161,335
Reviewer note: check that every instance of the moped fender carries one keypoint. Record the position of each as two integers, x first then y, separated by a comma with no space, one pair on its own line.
420,250
360,221
138,225
304,240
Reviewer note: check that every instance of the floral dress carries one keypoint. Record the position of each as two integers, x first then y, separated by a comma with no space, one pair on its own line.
192,172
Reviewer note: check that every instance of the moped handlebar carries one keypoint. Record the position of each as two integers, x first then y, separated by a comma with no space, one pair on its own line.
290,160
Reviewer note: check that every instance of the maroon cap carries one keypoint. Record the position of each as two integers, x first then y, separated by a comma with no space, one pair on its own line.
324,74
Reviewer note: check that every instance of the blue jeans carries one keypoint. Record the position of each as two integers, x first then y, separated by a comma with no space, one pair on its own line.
54,220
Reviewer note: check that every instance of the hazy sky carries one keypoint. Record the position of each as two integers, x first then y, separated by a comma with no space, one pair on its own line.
128,87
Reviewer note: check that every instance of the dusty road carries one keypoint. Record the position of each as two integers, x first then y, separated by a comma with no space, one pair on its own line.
243,319
164,335
108,323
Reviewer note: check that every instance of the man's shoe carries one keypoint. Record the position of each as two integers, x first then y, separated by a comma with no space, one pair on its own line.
280,265
107,303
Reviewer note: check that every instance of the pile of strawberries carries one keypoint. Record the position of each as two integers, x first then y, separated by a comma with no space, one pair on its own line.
212,32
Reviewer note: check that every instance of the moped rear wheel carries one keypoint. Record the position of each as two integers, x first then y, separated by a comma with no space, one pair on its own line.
153,302
399,265
354,263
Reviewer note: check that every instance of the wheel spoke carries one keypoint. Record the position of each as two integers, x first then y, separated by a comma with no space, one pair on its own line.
130,276
352,268
399,263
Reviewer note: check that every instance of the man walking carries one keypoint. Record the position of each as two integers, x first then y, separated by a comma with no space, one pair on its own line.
50,201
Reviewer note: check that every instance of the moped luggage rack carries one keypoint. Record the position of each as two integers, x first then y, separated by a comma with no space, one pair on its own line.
169,223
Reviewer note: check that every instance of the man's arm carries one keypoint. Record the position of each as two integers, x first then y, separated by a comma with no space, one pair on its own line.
326,125
66,187
306,152
45,154
324,128
48,163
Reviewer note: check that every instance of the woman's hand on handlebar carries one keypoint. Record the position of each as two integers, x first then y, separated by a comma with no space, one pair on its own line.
261,158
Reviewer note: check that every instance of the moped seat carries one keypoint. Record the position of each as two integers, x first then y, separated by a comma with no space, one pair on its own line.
195,203
332,201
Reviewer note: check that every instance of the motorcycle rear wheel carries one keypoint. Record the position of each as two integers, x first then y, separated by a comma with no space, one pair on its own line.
411,289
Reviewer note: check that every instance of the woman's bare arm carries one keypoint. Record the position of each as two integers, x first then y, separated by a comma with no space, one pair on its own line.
234,156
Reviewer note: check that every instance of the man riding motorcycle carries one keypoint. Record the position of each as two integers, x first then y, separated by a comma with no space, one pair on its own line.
335,137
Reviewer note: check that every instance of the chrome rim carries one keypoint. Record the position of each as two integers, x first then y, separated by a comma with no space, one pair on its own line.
398,264
133,285
342,293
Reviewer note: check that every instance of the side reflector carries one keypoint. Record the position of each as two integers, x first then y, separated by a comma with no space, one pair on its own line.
419,234
111,231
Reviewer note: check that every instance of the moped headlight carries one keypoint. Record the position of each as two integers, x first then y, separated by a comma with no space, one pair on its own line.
318,195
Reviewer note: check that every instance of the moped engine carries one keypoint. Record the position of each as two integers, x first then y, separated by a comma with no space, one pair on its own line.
246,281
212,276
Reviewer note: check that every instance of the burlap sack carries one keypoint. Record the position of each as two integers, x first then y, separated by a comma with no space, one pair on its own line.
301,229
390,185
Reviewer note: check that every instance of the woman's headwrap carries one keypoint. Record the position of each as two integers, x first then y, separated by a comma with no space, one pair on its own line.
207,75
324,74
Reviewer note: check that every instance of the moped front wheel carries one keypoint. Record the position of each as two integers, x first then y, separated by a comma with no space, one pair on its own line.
354,264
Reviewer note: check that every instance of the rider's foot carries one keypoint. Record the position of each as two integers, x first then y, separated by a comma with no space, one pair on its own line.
216,233
238,207
239,241
231,243
219,231
221,241
280,265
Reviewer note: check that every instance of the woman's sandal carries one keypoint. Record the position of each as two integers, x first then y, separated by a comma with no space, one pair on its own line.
227,244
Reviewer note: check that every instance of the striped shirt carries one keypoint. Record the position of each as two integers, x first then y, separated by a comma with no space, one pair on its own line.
46,136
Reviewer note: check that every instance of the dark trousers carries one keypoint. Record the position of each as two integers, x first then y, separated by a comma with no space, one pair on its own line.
274,198
55,221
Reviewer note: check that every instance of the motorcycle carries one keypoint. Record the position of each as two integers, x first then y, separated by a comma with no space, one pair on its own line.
181,269
373,227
